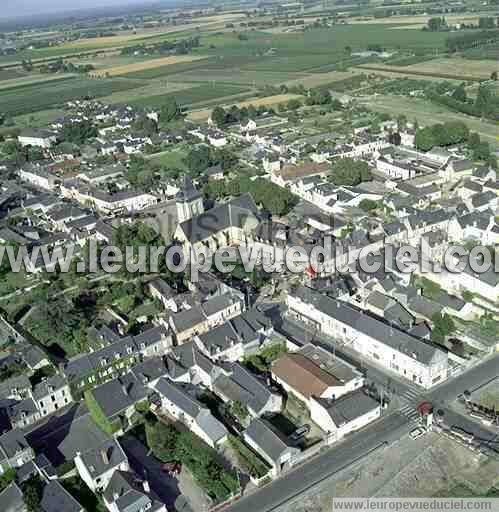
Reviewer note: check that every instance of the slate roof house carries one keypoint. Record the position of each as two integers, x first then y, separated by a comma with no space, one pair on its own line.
346,414
314,372
178,403
237,384
97,466
270,446
56,499
421,362
14,450
127,493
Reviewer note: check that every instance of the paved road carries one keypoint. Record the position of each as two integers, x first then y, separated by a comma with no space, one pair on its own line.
470,380
386,430
384,379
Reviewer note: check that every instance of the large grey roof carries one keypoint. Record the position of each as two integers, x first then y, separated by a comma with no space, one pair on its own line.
12,442
179,397
338,368
211,426
119,394
11,499
349,407
235,213
187,356
428,218
220,339
216,304
269,442
57,499
127,493
188,319
361,321
80,435
49,386
150,369
240,385
105,457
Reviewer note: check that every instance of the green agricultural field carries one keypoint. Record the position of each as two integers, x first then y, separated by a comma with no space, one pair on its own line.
39,79
11,74
320,48
191,96
330,41
423,110
236,76
172,159
172,69
32,98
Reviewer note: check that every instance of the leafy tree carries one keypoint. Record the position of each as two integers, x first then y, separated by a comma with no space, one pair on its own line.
7,478
218,116
437,24
444,134
486,22
459,93
162,440
169,110
489,326
226,158
493,76
349,172
78,132
198,159
293,104
368,205
33,493
239,410
443,326
145,126
485,103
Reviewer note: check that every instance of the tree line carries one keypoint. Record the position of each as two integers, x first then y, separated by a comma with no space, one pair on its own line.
471,40
181,47
451,133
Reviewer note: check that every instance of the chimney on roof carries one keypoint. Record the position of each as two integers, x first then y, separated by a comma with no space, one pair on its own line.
105,456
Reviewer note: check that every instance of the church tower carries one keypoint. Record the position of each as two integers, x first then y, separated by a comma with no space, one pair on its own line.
189,201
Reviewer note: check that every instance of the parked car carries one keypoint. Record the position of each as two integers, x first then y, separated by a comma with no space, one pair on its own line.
300,432
417,432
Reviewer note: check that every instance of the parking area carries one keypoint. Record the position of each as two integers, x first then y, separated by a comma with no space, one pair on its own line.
294,423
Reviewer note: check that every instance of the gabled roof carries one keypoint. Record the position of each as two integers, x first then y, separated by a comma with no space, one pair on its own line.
242,386
362,322
349,407
11,499
12,442
119,394
127,493
235,213
304,375
57,499
107,456
175,394
268,440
